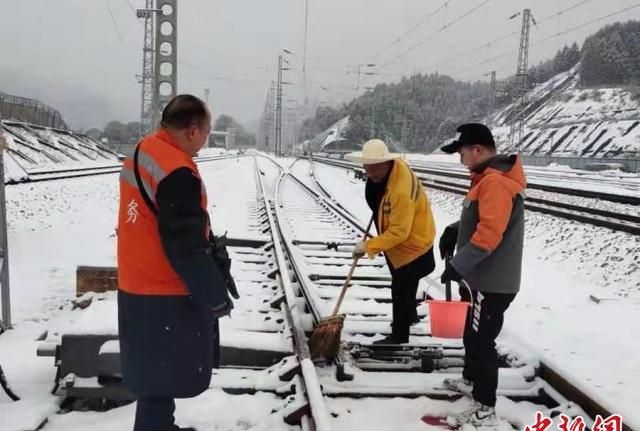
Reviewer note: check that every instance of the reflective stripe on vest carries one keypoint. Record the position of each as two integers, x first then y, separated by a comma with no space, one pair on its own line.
143,267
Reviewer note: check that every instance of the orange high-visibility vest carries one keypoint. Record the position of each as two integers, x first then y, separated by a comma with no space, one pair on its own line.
143,267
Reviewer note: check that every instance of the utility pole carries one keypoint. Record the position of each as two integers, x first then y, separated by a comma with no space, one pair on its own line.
280,83
207,94
147,77
271,115
269,135
492,90
404,132
492,95
369,72
166,56
278,143
5,296
262,131
522,72
372,129
304,52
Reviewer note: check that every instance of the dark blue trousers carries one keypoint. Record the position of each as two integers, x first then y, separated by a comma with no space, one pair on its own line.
154,414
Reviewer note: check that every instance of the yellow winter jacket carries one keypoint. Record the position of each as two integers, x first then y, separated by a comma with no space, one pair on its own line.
405,221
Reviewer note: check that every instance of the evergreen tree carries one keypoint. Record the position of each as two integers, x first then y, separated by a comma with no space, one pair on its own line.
612,55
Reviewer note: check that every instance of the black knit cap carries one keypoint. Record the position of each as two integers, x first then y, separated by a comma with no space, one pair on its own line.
470,134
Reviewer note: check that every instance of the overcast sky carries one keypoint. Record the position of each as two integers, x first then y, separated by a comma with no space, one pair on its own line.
71,55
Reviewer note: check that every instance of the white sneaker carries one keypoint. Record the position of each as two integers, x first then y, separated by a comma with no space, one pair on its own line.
460,385
477,415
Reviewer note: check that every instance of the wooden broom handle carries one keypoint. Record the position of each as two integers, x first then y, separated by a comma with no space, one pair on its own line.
350,274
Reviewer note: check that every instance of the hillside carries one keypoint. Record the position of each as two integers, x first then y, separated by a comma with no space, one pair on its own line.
583,102
564,119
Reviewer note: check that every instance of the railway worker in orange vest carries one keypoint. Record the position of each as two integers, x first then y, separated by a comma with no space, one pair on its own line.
171,289
488,241
406,230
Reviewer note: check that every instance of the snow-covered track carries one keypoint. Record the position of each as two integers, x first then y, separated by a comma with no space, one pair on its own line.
290,263
62,174
442,170
458,183
316,235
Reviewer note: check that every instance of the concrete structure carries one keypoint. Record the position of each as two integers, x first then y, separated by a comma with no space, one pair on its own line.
147,79
5,297
166,56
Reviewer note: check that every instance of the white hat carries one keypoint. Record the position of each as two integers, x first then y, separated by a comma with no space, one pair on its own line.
373,151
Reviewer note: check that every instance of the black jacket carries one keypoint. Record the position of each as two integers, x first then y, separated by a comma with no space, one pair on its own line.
182,224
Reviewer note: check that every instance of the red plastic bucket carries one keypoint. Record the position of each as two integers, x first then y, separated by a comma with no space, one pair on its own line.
447,318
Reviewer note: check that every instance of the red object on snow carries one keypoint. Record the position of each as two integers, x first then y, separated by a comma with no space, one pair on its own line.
438,421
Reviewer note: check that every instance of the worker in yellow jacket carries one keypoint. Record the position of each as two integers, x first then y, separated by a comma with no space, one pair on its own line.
406,230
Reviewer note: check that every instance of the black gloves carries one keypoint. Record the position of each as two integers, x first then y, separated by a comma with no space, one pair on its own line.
450,274
221,257
448,239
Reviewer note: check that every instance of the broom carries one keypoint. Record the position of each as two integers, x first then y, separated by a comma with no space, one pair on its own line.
325,338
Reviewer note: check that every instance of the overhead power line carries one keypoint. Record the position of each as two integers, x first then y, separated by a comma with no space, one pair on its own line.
513,33
442,29
225,78
584,24
133,9
484,45
411,30
489,60
115,24
591,22
575,6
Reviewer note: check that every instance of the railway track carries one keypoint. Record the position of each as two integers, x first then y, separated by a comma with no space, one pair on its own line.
52,175
289,274
446,171
316,235
458,184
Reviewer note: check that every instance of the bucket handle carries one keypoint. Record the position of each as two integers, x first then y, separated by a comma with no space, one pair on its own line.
463,283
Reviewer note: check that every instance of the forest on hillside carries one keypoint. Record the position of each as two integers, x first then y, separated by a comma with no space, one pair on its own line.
420,111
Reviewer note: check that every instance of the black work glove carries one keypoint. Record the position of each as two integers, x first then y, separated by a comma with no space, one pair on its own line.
448,240
221,257
231,287
450,274
223,310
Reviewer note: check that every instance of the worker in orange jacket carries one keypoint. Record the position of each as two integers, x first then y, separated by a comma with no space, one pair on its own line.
406,230
488,241
172,289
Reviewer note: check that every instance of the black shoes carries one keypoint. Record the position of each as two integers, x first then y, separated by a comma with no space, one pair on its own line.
391,339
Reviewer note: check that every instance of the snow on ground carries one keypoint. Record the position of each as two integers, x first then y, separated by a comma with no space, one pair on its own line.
56,226
53,227
391,414
214,410
564,262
